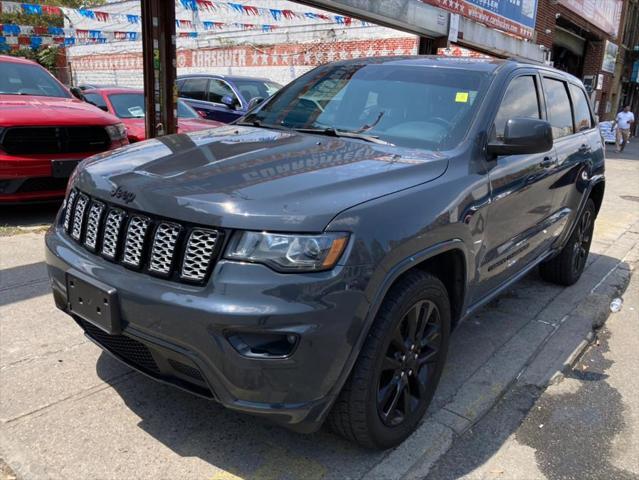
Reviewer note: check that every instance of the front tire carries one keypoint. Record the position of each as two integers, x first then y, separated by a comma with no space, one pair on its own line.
398,369
568,265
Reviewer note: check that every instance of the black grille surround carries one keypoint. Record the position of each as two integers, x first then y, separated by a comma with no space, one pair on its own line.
148,244
54,140
150,361
129,349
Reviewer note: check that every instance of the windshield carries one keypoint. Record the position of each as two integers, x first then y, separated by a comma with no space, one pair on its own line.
409,106
256,88
131,105
23,79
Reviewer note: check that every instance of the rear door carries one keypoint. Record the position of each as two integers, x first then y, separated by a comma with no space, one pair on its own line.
194,91
217,90
572,145
521,192
585,161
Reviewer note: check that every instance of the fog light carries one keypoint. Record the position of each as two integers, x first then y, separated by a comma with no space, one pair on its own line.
263,345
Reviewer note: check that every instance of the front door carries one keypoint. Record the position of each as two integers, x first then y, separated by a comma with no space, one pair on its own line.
205,95
521,193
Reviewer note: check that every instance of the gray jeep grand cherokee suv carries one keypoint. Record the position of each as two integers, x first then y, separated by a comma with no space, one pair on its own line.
310,261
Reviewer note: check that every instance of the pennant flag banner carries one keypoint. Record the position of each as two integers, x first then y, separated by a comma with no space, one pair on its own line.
192,5
18,30
75,36
17,36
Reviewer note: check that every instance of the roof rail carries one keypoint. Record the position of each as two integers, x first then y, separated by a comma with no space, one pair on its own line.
524,60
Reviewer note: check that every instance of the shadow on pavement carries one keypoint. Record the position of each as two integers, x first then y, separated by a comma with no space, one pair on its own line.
568,435
240,444
23,282
631,152
30,215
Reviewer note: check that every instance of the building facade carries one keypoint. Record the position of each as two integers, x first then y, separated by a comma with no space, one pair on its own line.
592,39
628,68
582,37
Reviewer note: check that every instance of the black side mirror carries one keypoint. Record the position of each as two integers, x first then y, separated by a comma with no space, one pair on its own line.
523,136
229,101
77,93
254,102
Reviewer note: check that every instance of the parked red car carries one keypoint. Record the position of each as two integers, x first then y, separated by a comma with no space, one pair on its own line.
128,105
44,132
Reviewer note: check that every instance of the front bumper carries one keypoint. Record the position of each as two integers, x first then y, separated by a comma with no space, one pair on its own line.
178,333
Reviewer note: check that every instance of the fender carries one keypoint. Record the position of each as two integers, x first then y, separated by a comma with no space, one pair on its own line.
382,290
595,180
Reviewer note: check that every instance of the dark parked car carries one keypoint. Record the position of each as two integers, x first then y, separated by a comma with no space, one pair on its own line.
311,261
224,98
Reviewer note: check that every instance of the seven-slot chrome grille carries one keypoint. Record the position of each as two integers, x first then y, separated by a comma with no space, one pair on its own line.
165,248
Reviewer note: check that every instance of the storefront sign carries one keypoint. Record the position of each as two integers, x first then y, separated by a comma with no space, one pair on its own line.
610,57
516,17
604,14
453,27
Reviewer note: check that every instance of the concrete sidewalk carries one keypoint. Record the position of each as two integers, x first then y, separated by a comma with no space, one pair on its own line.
69,411
584,426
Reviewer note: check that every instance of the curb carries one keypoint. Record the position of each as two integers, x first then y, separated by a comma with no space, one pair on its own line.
414,458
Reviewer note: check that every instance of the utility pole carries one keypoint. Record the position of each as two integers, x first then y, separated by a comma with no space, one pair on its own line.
158,47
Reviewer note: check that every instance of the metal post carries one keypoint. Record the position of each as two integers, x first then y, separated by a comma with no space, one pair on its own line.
158,50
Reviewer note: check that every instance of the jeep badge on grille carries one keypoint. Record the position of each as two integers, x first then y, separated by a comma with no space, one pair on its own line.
122,194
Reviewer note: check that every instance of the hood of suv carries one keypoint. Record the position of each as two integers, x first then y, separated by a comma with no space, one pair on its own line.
253,178
31,110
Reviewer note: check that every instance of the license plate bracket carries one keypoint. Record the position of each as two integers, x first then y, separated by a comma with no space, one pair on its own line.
94,302
63,168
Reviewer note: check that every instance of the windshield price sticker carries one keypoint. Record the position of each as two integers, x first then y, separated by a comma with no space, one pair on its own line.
461,97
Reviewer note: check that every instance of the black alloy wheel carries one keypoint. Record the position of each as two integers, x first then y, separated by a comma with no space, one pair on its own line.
409,364
399,365
583,238
567,266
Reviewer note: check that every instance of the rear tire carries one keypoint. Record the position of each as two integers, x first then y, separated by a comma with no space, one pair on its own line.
397,371
568,265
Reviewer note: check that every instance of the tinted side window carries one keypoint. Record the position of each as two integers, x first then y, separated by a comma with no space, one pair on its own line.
558,104
194,88
217,89
95,99
520,100
583,120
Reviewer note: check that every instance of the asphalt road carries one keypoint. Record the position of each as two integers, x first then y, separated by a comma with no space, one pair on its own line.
584,427
69,411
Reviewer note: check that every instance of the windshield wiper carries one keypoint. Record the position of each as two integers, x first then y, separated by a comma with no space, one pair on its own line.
333,132
258,123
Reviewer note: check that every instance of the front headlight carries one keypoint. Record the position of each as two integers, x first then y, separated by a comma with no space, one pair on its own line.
288,252
116,132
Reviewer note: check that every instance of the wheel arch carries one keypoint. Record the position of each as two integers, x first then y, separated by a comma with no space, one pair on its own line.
431,259
447,261
597,194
